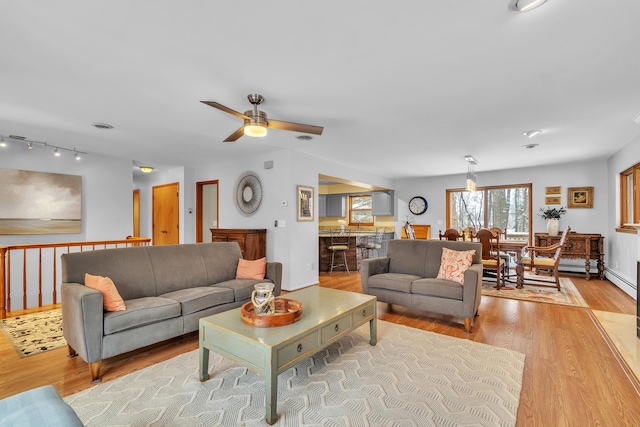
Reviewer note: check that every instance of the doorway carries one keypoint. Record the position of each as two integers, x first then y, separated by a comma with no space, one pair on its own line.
166,214
206,209
136,213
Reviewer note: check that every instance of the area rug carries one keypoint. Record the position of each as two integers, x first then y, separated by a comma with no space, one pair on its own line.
568,294
409,378
34,333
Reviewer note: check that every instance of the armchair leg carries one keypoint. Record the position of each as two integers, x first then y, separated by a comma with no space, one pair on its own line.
467,324
72,352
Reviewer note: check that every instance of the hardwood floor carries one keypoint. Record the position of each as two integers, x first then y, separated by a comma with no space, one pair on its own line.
571,378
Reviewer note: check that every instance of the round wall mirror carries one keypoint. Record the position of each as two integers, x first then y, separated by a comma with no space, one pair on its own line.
248,193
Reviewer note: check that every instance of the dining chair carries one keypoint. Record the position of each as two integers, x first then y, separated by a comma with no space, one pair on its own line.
339,244
468,233
491,244
504,255
450,234
543,258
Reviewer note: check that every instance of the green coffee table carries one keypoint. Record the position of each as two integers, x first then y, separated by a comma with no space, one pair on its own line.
327,316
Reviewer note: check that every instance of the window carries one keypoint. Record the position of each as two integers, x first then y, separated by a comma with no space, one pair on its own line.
360,210
630,196
506,207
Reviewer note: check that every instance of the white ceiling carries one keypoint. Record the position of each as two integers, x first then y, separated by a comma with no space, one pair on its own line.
402,88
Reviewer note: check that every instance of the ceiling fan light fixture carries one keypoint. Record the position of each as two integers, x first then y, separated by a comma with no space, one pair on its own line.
255,130
525,5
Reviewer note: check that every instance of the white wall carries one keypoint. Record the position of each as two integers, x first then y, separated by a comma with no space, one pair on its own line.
624,248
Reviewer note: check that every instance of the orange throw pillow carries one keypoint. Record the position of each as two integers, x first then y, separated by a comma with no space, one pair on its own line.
454,263
112,300
251,269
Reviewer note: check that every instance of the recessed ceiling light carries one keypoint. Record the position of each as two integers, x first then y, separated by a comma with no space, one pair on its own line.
146,169
532,133
304,137
102,126
530,146
525,5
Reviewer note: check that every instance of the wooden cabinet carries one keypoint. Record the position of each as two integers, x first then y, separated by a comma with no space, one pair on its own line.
382,203
253,243
421,231
578,246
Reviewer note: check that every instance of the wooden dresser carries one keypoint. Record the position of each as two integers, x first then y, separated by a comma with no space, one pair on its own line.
253,243
578,246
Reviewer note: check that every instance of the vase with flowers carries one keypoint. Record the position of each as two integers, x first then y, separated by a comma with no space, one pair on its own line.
342,223
552,215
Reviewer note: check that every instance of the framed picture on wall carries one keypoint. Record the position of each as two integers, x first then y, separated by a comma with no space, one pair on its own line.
552,200
305,203
553,190
580,197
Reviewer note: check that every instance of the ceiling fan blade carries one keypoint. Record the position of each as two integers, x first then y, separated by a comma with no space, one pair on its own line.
296,127
225,109
234,136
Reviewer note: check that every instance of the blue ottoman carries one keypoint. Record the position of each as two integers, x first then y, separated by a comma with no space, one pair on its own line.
41,406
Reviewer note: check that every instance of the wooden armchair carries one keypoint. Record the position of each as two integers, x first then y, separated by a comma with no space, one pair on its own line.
531,257
491,246
450,234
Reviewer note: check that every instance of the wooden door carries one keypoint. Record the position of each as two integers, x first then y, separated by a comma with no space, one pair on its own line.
206,209
166,214
136,213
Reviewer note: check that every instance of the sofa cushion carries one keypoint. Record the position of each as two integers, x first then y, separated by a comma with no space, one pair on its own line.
393,281
140,312
442,288
197,299
111,299
177,267
453,264
220,260
242,288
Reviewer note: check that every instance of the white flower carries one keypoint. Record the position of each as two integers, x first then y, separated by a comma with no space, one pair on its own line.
342,222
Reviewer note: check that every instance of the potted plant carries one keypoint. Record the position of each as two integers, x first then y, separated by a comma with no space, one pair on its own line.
552,215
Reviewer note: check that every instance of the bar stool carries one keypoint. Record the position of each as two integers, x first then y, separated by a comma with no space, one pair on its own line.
374,243
339,244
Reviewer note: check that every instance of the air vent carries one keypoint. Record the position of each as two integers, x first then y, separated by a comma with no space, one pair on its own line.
304,137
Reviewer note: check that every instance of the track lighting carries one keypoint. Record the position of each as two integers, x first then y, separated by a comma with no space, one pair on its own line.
57,150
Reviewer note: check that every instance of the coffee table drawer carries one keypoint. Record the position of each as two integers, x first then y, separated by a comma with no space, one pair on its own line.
335,328
364,314
299,348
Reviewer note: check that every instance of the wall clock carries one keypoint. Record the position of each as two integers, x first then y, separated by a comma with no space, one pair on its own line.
248,193
418,205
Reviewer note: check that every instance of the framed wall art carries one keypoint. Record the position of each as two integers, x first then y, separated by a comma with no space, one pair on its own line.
553,190
580,197
552,200
40,203
305,203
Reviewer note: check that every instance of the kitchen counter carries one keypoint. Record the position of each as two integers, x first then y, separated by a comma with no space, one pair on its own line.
354,254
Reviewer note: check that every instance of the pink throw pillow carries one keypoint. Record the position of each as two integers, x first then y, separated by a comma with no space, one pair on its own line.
251,269
112,301
454,263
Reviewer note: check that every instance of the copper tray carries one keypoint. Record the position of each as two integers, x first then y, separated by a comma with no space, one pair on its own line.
288,311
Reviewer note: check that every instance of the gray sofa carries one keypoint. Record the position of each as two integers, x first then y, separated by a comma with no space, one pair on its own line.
166,289
407,276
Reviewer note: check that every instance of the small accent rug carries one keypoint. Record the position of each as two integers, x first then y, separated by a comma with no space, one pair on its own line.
568,294
409,378
34,333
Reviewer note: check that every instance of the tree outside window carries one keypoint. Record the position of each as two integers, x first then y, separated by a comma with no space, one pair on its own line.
505,207
360,212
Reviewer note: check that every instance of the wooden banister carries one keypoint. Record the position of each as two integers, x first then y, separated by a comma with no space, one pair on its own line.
5,266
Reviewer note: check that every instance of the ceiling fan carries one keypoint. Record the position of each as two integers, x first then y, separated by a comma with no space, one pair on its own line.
256,122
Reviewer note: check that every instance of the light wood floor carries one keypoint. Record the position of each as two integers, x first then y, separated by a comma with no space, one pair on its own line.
573,375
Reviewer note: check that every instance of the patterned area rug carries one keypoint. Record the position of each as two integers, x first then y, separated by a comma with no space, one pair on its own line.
410,378
34,333
568,294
